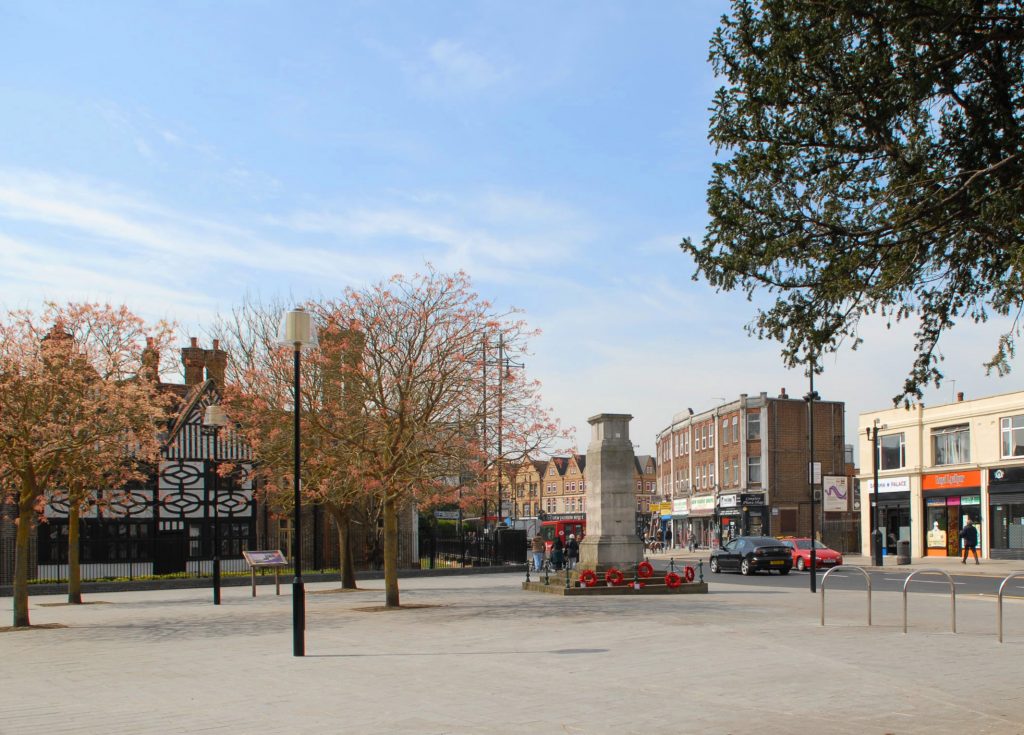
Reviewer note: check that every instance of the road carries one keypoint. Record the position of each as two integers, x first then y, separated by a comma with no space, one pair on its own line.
881,581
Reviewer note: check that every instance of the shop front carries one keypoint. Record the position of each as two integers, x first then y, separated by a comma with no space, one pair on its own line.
702,519
950,498
681,531
742,514
893,501
1006,512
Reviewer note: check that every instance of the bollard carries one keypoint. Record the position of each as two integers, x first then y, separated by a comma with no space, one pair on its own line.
566,576
671,564
527,573
700,570
547,578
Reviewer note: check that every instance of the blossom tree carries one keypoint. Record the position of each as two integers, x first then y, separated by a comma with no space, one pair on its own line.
77,412
259,395
420,378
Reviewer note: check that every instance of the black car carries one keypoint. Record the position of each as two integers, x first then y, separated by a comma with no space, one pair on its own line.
748,554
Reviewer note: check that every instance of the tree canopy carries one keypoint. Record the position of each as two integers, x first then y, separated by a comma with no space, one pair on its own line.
874,167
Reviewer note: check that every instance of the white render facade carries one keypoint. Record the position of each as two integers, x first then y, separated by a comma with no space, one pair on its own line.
938,466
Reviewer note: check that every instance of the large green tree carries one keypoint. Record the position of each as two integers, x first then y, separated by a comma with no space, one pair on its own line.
874,165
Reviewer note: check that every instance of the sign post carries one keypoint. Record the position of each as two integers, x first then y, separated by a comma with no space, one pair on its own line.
265,560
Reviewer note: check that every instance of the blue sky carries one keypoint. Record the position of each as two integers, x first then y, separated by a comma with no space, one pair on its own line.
173,156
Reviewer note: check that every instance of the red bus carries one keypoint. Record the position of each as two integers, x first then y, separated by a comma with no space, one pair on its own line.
561,525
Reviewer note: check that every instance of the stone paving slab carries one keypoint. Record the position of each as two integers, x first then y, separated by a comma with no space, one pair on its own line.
483,656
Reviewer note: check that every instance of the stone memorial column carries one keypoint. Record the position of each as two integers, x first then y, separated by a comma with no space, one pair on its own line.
611,539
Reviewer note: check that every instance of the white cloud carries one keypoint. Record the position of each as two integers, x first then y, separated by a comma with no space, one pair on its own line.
455,67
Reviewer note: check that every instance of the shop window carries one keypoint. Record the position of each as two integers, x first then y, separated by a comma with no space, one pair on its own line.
753,470
892,452
1013,436
753,426
951,445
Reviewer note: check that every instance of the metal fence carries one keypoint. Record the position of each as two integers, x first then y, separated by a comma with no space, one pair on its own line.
504,547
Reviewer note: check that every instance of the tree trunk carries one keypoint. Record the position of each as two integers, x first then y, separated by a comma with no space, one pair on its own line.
26,516
346,564
390,554
74,555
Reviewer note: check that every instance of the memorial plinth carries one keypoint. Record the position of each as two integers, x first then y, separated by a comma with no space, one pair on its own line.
611,539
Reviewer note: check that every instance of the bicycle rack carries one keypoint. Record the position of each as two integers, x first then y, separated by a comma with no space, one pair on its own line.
952,594
867,578
999,602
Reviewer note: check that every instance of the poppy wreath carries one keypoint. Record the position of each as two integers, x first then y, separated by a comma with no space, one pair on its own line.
588,578
613,577
644,569
673,580
688,574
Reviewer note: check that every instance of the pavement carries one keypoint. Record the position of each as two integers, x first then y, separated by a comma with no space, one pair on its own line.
476,654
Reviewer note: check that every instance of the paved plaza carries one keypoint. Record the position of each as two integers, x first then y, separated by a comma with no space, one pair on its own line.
476,654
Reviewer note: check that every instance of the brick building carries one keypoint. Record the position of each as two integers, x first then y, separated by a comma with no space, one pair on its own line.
741,468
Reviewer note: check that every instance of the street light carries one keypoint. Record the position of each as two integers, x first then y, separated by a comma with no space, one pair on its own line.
876,533
810,398
504,365
297,331
214,419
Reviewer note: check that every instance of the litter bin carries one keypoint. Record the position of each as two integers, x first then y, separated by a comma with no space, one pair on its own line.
902,552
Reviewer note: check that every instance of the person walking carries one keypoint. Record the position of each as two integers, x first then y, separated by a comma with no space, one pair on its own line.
537,547
969,536
558,552
572,552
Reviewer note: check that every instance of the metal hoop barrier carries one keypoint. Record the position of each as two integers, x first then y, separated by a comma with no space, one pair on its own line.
952,595
673,580
588,578
644,569
613,577
688,574
999,602
867,578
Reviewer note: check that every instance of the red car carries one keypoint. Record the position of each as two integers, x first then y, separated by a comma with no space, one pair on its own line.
824,557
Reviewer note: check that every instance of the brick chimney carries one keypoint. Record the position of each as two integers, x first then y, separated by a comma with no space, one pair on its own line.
959,396
150,361
216,364
194,358
782,393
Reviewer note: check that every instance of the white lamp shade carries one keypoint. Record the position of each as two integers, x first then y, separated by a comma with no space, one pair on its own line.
297,329
215,416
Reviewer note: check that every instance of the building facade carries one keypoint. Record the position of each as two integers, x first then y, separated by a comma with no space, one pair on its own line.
741,468
939,466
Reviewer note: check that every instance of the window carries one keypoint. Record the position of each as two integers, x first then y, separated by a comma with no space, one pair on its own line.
704,437
639,486
753,470
952,444
711,435
1012,429
753,426
725,431
892,452
727,474
686,442
711,475
735,428
735,472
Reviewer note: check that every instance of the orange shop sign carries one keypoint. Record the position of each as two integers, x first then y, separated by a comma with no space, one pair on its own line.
951,480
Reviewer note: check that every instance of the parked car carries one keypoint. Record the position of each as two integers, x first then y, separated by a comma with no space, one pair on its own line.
748,554
824,557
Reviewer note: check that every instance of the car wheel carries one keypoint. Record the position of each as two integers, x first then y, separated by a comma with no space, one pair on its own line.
714,565
800,564
784,571
746,568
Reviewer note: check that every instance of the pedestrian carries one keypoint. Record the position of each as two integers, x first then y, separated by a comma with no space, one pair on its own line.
558,552
969,536
572,552
537,547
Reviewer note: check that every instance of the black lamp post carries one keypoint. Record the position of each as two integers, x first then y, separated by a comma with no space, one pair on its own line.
876,533
214,419
810,398
297,331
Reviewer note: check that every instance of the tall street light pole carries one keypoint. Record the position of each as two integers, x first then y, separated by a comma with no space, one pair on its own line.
297,331
214,419
811,396
876,533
